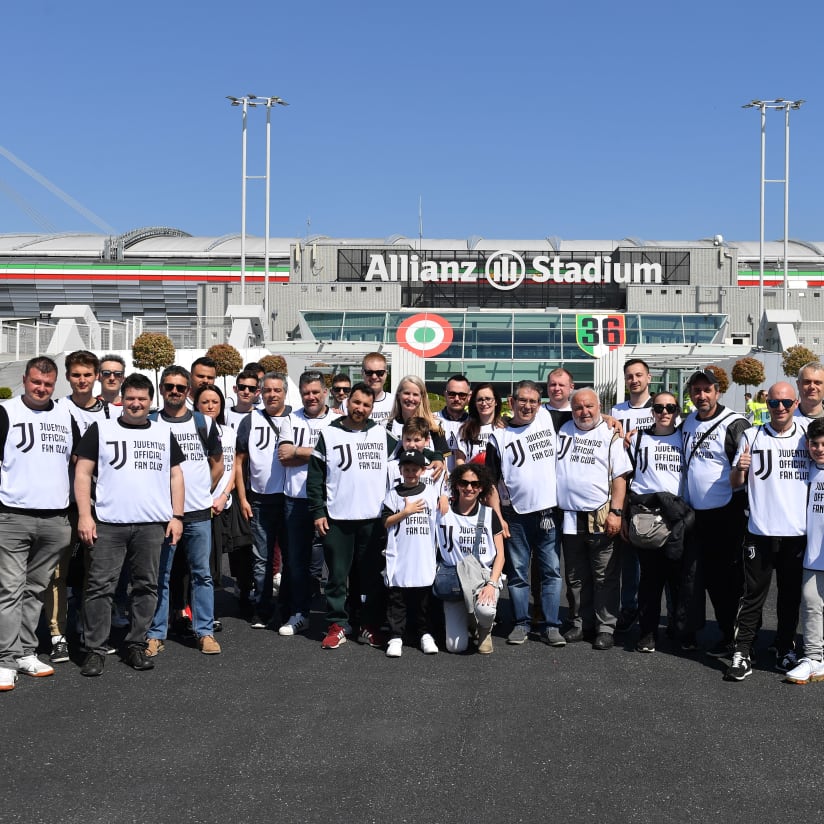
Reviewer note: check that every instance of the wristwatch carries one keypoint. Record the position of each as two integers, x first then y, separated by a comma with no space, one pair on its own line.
497,584
178,517
618,512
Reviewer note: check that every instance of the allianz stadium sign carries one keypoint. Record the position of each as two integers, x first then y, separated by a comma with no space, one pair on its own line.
506,270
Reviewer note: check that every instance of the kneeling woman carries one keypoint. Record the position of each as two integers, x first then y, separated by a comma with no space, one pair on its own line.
469,523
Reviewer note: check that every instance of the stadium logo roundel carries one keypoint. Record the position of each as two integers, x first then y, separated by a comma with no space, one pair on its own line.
425,335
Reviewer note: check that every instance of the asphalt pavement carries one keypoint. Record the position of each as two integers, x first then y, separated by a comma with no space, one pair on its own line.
277,730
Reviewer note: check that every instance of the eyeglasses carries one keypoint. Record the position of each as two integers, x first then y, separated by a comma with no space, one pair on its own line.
467,484
111,373
527,402
345,389
460,395
176,387
374,373
246,387
660,408
484,400
774,403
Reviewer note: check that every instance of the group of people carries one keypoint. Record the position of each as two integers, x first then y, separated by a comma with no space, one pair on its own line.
419,517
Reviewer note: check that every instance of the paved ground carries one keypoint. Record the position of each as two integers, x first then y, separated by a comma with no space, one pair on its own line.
275,729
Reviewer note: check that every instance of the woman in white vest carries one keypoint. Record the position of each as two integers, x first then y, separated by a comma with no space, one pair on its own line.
456,536
484,412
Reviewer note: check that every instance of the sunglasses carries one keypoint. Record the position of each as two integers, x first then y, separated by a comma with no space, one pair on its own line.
110,373
176,387
774,403
469,484
246,387
460,395
344,389
660,408
375,373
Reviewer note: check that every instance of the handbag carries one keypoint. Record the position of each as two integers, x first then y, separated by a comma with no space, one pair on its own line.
447,585
648,528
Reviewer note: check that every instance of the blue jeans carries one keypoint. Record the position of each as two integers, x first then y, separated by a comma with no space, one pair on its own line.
526,538
197,544
267,530
300,535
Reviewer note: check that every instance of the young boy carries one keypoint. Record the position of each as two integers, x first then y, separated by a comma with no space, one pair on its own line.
409,517
811,666
414,437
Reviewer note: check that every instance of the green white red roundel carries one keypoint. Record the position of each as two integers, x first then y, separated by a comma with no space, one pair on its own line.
425,334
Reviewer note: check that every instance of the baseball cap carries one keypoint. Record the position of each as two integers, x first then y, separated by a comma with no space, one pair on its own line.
703,375
412,456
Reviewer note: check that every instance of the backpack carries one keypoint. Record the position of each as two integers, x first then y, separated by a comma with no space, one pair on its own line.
200,425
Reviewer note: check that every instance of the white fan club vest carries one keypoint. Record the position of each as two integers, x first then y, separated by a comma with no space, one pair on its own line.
450,430
814,554
228,440
410,544
588,460
267,475
777,480
133,473
659,463
35,469
707,466
456,536
356,466
303,432
527,457
472,450
197,474
633,417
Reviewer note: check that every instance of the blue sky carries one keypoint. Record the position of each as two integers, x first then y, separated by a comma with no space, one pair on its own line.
510,120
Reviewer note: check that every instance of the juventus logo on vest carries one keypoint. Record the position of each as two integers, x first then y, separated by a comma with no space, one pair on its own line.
345,451
765,470
564,445
263,437
643,460
518,454
120,454
26,436
446,531
300,436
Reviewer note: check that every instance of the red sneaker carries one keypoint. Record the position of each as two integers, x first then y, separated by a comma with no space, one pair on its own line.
335,636
371,636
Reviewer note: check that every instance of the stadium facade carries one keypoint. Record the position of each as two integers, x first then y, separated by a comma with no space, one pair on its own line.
498,310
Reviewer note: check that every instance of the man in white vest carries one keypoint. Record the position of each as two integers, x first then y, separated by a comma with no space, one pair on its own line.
36,441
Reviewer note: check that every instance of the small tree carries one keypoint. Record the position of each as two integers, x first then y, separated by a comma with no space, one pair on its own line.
273,363
793,358
153,350
327,376
721,374
748,372
5,393
227,360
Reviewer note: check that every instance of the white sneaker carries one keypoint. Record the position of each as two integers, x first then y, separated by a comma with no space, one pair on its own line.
297,623
32,665
8,678
806,671
395,648
428,644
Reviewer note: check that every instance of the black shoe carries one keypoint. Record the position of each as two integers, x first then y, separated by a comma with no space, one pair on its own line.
626,618
137,659
688,643
740,667
646,644
603,640
257,622
59,652
93,665
182,627
574,635
723,649
217,625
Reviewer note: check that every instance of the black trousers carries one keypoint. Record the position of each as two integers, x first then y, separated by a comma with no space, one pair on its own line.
761,555
657,571
401,599
712,566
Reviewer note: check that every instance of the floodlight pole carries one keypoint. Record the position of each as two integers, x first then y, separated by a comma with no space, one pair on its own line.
762,105
245,102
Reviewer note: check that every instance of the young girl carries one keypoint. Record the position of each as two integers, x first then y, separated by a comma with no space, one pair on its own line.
456,535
